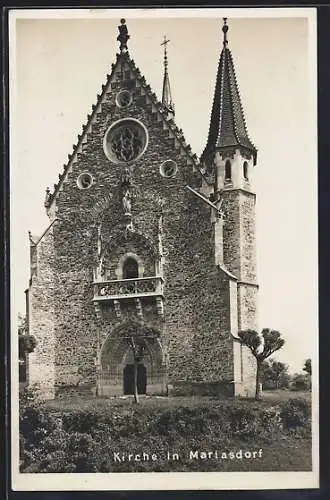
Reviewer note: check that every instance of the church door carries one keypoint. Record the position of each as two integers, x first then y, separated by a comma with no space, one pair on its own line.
129,379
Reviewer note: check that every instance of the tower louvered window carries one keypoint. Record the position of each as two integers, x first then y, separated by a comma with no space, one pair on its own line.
246,170
228,171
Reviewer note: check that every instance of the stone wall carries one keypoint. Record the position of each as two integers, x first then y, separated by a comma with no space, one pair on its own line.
247,318
41,317
240,257
195,331
239,234
231,232
248,237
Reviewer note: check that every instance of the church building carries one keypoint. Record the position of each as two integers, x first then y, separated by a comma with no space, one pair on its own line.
147,269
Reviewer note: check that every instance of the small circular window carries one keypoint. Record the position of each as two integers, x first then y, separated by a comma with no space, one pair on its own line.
85,180
168,169
124,99
125,141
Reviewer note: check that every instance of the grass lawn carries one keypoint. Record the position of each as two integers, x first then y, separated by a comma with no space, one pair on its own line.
282,395
155,402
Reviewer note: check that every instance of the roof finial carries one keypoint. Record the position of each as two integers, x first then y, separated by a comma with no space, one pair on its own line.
167,96
165,42
123,36
225,31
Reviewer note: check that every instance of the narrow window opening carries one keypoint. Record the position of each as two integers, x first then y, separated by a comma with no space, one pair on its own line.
130,269
246,170
228,171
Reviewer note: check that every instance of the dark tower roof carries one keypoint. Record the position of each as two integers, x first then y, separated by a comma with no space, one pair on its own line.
227,125
167,96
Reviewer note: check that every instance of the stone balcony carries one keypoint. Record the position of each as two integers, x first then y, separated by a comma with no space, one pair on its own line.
137,289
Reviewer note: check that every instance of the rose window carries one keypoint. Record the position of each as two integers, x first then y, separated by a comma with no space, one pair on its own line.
125,141
168,169
124,99
85,180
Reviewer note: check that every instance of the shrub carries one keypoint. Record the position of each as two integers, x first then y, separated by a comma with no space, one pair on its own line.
82,452
295,413
35,424
78,441
29,395
80,421
300,382
63,451
245,421
58,461
271,420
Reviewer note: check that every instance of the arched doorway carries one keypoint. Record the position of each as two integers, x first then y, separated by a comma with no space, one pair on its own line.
116,369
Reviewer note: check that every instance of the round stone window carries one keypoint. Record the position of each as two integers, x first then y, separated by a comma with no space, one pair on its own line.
124,99
168,169
125,141
85,180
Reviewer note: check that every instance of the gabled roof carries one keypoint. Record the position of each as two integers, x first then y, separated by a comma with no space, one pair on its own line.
148,96
227,125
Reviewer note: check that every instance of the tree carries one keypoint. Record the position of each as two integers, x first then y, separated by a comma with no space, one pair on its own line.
280,374
137,346
26,345
308,366
266,376
26,342
262,345
275,375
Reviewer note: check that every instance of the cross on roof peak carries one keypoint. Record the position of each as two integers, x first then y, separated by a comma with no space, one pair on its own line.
165,42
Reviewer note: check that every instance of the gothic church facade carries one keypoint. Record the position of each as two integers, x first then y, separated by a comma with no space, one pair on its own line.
147,269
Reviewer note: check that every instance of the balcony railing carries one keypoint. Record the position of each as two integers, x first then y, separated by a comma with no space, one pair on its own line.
130,288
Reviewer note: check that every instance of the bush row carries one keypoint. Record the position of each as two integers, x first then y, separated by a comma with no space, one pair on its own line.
80,441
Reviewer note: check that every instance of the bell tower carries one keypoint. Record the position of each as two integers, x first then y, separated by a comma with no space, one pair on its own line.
228,160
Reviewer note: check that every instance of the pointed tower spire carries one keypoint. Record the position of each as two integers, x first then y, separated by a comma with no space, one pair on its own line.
167,96
227,126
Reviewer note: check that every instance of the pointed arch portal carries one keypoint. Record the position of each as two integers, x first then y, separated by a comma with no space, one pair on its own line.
117,358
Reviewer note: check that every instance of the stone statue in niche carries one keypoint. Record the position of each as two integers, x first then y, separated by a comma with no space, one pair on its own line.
99,240
126,178
127,194
129,228
127,205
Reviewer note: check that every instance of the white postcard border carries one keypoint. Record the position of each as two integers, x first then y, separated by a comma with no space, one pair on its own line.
162,480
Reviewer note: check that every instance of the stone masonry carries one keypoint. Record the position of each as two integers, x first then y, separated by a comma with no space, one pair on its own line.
199,266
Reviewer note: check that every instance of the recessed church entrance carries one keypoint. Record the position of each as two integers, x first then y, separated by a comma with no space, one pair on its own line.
128,344
129,379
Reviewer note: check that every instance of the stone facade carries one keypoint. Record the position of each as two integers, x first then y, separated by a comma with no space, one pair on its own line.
195,281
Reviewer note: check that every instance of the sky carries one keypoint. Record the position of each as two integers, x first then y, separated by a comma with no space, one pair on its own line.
58,67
